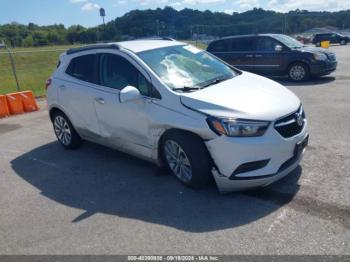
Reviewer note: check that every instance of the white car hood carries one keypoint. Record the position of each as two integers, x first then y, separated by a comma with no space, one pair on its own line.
247,96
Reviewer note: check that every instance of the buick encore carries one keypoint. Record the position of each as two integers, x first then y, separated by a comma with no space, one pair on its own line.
181,108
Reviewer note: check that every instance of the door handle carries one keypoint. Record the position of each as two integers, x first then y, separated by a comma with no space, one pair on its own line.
99,100
62,86
248,55
258,55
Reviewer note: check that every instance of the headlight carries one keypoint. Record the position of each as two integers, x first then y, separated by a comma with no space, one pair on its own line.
320,57
237,128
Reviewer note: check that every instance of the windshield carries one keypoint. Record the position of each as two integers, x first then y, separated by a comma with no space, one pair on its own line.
288,41
185,67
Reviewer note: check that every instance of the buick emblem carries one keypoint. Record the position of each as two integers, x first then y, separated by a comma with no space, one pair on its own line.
299,119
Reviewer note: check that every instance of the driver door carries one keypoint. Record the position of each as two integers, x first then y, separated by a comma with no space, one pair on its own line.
123,124
268,60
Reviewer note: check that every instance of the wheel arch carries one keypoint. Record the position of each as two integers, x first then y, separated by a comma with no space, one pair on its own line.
167,131
55,109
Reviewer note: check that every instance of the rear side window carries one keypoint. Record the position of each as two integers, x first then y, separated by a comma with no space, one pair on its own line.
244,44
220,46
83,68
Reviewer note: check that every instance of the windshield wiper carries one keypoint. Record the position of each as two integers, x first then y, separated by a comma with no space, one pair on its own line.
187,88
216,81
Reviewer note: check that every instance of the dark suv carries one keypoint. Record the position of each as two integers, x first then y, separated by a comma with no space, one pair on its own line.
274,55
334,38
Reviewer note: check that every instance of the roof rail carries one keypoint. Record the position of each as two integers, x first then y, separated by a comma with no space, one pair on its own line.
92,47
157,38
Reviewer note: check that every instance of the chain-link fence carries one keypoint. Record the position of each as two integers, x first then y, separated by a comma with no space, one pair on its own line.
33,67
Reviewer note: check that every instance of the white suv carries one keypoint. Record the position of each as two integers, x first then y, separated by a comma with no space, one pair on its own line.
179,107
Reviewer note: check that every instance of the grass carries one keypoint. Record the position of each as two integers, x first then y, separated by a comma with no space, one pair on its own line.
34,66
197,44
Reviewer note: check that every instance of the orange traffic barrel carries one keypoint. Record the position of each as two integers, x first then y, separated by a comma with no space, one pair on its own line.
14,101
29,102
4,109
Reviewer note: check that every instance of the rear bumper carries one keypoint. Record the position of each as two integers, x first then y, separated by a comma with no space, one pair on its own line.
323,68
229,153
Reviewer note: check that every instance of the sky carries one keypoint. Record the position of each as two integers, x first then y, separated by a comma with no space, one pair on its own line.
85,12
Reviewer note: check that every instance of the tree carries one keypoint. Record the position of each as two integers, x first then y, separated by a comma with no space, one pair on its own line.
28,41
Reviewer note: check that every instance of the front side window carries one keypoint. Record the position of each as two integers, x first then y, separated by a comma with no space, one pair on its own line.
82,68
183,67
116,72
288,41
266,44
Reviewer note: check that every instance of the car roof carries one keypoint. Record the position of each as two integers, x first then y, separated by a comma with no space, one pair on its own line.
135,46
244,36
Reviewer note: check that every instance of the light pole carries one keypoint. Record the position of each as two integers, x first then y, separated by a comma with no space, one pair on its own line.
103,14
2,45
157,27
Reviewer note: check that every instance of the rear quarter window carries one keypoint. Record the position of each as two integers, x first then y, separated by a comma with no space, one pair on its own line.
83,68
244,44
219,46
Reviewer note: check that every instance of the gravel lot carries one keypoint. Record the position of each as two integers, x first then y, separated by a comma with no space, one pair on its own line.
98,201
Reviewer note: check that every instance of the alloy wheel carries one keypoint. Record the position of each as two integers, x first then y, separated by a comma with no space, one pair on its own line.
297,72
62,130
178,161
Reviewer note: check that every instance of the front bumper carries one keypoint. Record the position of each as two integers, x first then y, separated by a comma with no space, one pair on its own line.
323,68
228,153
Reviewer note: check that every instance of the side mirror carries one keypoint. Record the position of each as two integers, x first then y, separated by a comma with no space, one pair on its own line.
129,93
278,48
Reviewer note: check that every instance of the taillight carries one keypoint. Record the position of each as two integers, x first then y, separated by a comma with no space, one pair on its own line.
48,83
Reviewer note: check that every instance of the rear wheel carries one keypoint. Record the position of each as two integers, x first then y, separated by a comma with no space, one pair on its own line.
65,131
298,72
318,44
186,156
343,42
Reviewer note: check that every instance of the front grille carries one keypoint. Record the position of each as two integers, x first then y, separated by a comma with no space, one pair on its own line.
292,124
331,57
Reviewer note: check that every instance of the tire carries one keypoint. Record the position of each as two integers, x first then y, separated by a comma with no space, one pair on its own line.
298,72
64,131
343,42
187,158
318,44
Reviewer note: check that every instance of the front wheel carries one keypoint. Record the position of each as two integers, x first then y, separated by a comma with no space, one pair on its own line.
65,131
187,158
298,72
343,42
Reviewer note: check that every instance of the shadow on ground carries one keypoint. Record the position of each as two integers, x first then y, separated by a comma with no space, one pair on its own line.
100,180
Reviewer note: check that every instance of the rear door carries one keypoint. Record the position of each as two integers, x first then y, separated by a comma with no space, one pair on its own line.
76,91
222,49
243,48
236,51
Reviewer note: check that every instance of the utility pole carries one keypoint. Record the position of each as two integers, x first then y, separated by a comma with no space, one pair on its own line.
3,45
285,23
157,25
